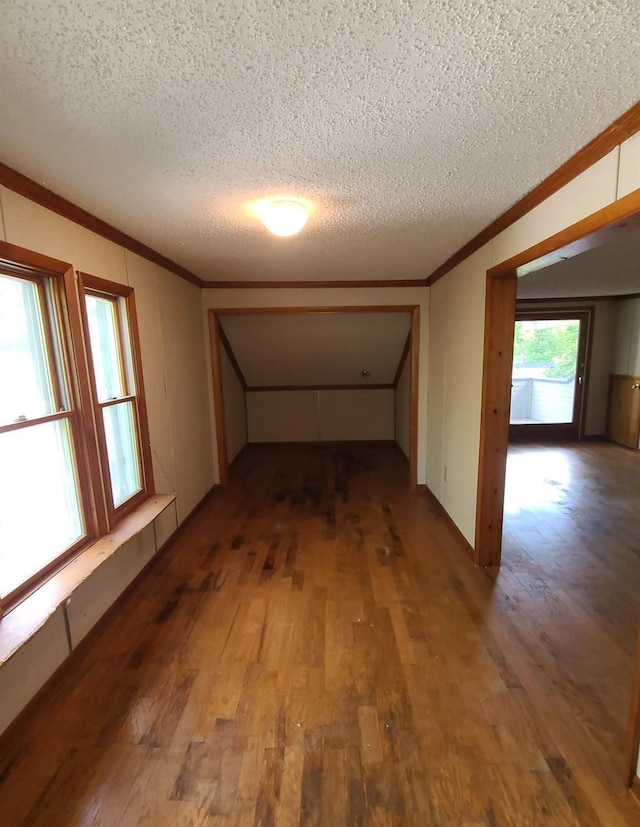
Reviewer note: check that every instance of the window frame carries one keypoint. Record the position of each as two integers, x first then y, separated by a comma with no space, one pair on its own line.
68,353
123,296
41,270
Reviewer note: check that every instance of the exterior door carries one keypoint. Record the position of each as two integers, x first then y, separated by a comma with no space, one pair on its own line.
623,420
548,378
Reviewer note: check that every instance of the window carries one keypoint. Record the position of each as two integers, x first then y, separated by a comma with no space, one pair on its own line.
74,446
115,370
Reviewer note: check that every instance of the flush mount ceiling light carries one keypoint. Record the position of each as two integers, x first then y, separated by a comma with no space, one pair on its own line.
283,216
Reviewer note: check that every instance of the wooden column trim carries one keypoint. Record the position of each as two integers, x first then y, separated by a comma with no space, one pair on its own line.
499,323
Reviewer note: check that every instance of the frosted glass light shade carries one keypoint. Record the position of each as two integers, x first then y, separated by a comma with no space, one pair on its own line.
283,216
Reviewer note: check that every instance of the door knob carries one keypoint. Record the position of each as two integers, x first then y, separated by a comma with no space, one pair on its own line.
635,386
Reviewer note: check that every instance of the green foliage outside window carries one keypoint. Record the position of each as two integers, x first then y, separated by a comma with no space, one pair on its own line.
557,344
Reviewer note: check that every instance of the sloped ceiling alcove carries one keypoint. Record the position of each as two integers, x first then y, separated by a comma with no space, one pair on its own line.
612,269
409,125
317,349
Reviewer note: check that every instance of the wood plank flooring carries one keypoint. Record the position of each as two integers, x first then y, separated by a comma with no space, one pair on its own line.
316,649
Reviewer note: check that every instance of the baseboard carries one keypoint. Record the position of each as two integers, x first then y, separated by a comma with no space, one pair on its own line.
48,688
444,514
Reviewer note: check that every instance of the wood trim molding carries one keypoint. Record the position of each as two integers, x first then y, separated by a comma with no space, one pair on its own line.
314,285
403,359
267,388
17,182
622,128
499,323
11,253
226,344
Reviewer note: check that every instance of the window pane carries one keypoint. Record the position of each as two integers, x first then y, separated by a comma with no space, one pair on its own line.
543,384
40,513
105,347
122,450
27,389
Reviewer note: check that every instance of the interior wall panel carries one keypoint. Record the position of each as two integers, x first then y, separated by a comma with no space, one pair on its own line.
235,409
29,668
626,360
320,416
96,594
283,416
144,276
629,174
188,404
345,415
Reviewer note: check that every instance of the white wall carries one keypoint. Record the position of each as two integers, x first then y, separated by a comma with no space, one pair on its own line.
457,324
235,408
627,344
320,416
457,331
402,403
340,297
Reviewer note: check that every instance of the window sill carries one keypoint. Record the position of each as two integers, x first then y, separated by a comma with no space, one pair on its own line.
19,625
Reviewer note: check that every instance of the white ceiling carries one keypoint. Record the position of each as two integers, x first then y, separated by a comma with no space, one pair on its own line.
410,125
318,349
613,269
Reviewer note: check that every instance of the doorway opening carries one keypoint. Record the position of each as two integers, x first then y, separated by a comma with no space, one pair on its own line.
500,317
296,389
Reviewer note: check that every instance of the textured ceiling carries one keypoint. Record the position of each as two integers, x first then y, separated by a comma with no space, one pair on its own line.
410,125
318,349
613,269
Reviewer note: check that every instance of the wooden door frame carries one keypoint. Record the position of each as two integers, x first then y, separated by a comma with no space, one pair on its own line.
575,428
500,311
214,315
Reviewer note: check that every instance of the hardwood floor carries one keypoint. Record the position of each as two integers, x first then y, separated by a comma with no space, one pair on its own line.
316,649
